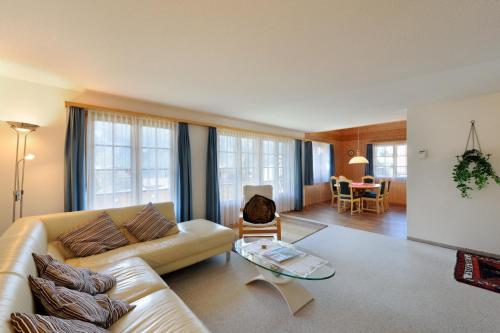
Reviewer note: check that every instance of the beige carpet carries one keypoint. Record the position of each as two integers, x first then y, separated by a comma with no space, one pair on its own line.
294,229
382,284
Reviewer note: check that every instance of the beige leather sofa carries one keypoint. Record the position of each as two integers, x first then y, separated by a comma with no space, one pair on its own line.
136,266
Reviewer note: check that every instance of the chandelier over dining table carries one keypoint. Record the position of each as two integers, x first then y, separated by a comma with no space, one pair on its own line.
358,159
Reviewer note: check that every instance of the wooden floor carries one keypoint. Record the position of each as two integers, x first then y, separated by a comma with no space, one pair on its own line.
391,223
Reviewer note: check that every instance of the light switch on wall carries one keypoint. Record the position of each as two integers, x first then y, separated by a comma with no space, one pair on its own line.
422,153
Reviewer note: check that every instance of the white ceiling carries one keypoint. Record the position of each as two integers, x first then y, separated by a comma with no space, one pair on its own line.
307,65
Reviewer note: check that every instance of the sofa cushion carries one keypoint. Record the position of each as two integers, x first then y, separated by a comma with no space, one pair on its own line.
71,304
208,234
155,253
149,224
94,238
60,223
15,296
33,323
134,279
15,253
64,275
163,311
195,237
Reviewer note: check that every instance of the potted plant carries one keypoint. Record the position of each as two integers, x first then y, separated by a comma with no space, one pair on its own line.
474,166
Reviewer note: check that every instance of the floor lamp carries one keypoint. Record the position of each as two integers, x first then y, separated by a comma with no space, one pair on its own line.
22,132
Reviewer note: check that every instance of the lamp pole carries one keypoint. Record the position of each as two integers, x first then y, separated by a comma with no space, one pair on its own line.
15,195
22,129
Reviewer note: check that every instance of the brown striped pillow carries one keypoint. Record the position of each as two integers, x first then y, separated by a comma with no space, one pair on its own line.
94,238
33,323
149,224
65,303
64,275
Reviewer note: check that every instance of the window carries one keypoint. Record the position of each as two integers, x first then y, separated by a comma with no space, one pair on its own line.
249,159
321,162
389,160
129,160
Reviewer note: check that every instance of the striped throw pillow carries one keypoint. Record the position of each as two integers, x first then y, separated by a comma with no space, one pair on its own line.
65,303
94,238
149,224
33,323
64,275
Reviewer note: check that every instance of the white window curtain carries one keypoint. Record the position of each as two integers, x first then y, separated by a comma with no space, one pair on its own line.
130,160
247,158
321,162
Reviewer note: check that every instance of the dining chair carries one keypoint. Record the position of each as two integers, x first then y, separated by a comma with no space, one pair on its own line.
376,197
248,228
347,196
387,194
333,188
368,179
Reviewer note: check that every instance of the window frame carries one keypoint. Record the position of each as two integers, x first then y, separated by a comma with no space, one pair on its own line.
323,158
137,144
394,167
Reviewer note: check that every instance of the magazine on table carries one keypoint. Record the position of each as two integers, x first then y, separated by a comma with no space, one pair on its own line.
281,254
302,264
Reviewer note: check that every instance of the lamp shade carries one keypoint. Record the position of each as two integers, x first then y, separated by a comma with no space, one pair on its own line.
22,127
358,160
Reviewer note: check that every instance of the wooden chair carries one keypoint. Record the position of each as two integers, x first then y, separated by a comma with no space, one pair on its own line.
248,228
387,194
347,196
376,197
368,179
335,192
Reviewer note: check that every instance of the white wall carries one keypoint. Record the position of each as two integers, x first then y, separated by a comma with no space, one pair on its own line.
44,105
436,212
44,177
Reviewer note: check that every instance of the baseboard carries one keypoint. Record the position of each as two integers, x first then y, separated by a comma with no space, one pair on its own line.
452,247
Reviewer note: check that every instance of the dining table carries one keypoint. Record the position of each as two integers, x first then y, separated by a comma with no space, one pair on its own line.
365,186
362,187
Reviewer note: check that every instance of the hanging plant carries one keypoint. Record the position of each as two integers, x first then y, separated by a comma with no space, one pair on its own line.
473,165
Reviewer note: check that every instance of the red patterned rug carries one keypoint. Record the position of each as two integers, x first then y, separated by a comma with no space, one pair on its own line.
479,271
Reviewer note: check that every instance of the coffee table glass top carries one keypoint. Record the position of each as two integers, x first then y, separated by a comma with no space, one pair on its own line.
325,271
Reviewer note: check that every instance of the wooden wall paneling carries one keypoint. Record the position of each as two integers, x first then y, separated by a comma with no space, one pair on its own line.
345,140
317,193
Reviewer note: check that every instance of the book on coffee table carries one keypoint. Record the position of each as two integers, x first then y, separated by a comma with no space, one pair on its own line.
281,254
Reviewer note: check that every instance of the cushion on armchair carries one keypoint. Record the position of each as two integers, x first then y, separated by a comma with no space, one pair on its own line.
259,210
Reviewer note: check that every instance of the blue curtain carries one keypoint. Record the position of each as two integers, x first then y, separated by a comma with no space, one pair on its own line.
308,163
369,157
299,185
74,161
185,197
212,208
332,160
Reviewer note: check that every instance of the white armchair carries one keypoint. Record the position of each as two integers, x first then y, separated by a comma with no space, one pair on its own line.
273,227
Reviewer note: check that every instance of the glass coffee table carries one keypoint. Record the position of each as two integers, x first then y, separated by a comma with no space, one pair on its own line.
286,281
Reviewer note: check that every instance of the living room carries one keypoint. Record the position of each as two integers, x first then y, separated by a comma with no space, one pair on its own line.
202,109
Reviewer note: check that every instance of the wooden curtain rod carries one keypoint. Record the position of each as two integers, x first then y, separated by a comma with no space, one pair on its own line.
175,120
